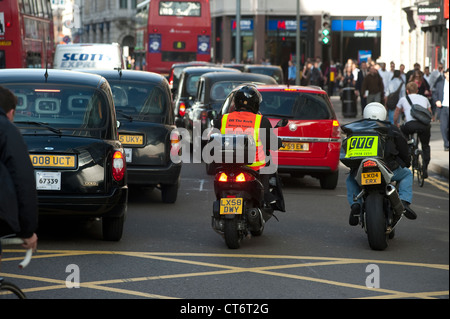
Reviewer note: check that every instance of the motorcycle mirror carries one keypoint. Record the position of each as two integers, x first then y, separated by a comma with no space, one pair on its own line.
282,123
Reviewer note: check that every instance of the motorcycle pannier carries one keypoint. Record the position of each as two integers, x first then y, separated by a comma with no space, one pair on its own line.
365,138
233,149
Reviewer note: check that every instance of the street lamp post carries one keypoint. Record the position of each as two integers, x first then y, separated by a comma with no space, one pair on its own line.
297,46
238,31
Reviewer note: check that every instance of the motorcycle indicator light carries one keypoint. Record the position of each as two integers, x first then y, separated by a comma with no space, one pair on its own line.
370,164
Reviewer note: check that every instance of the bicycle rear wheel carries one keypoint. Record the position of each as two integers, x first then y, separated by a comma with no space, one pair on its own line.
419,169
10,291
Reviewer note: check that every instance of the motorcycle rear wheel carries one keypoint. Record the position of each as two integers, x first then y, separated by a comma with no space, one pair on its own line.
232,234
376,222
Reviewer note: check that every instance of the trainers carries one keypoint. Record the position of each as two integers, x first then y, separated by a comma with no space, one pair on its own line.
354,214
409,213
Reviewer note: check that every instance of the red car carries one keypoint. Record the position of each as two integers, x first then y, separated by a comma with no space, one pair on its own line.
311,140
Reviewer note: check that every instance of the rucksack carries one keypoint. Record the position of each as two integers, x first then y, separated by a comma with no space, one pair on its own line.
393,98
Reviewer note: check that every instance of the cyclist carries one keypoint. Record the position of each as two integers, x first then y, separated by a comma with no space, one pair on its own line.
18,198
395,157
411,125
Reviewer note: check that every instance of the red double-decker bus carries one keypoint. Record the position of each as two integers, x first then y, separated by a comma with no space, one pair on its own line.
169,32
26,34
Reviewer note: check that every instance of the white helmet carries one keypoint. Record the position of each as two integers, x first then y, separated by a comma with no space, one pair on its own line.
375,111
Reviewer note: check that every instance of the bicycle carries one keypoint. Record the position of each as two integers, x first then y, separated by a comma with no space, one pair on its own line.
416,159
8,289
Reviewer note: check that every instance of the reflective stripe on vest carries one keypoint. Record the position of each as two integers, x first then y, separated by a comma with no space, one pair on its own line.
244,121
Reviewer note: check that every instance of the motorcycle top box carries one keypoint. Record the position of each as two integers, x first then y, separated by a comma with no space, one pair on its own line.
364,139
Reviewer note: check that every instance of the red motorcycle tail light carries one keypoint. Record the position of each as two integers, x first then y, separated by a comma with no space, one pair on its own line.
240,178
222,177
370,164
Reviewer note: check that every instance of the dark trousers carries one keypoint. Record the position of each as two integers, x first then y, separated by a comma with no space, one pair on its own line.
423,133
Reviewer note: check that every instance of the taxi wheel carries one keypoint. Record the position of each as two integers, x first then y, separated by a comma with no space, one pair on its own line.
169,193
113,228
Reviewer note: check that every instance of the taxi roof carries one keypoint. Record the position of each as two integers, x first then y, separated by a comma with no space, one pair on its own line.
292,88
54,76
127,75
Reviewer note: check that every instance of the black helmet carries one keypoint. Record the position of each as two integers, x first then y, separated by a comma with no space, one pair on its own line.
248,98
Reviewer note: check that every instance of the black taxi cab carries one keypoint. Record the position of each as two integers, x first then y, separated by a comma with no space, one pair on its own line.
147,130
68,122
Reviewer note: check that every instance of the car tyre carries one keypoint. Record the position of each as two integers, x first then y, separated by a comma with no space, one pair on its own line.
329,181
169,193
113,228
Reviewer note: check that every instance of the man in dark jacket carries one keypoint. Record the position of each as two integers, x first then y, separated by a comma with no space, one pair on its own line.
18,198
396,157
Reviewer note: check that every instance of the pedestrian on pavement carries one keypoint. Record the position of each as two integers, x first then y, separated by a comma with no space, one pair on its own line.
292,73
373,87
306,74
422,84
442,103
316,75
358,84
410,72
18,198
396,90
385,75
412,125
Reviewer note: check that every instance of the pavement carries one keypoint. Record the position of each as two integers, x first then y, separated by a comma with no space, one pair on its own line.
439,158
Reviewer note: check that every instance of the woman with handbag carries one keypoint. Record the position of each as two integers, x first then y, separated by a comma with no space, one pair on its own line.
412,125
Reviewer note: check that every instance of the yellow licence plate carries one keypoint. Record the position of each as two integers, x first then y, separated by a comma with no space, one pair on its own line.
231,206
372,178
295,146
127,139
44,160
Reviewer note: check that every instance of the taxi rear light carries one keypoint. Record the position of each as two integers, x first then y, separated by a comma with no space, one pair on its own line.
182,111
118,166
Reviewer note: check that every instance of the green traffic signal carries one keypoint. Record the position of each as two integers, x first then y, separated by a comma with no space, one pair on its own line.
325,40
326,32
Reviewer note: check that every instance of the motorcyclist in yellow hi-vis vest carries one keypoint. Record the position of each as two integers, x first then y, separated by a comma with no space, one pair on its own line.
247,119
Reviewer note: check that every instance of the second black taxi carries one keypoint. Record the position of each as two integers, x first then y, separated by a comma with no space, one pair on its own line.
144,109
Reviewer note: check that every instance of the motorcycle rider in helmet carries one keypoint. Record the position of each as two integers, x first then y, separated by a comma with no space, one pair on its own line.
396,157
246,117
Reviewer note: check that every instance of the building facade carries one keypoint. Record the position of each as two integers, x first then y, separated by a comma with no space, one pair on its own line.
403,31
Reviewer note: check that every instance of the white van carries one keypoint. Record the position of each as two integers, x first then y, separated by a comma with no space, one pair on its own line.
88,56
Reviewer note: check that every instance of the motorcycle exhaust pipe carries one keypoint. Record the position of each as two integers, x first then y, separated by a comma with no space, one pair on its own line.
255,219
396,203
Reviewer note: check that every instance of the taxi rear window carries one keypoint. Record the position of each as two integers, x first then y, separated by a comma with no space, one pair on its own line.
65,108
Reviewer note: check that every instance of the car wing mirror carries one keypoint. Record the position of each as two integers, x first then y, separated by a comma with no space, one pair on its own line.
282,123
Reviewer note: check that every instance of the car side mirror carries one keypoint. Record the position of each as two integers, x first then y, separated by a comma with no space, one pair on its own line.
118,124
282,123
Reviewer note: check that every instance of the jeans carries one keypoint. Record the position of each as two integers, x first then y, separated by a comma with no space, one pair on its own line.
402,176
443,118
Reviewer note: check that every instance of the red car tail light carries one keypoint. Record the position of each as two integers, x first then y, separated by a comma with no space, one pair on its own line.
335,133
118,166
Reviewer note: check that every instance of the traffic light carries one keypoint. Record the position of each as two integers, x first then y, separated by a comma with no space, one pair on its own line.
325,28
